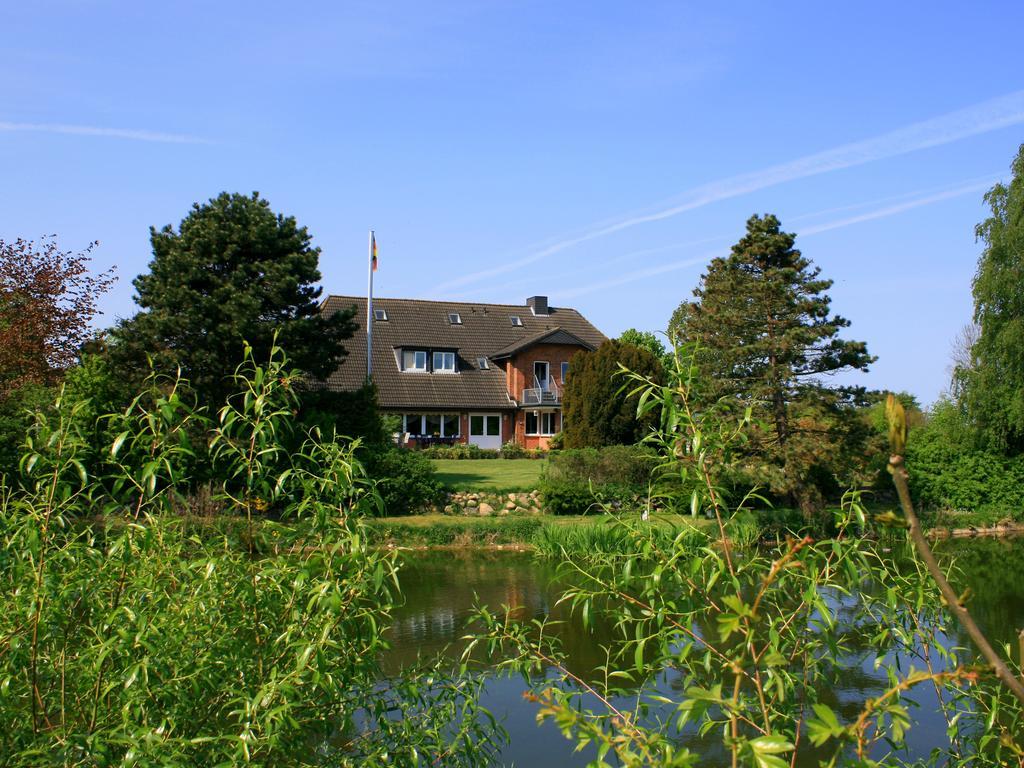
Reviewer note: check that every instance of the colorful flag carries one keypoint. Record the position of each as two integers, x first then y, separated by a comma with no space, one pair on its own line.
373,252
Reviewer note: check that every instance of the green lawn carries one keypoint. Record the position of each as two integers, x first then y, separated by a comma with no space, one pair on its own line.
489,474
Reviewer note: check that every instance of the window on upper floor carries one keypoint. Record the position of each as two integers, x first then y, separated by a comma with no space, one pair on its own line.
380,314
414,360
455,318
516,320
565,372
482,364
444,362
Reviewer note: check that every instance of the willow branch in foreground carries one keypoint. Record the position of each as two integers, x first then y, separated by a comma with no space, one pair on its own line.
898,439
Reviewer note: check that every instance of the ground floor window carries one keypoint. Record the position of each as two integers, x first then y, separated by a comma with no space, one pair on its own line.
484,424
431,424
541,423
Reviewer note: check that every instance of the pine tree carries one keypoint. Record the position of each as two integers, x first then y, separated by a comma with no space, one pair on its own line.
994,382
233,271
766,337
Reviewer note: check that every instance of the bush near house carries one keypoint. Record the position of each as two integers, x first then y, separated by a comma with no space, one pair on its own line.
460,451
584,480
405,480
620,464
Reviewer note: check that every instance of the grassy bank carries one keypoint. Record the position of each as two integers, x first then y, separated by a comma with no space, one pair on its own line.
489,474
545,533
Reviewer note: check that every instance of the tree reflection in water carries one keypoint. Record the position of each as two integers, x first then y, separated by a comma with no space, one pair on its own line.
440,590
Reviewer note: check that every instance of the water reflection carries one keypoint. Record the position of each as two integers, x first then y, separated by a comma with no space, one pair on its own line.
441,590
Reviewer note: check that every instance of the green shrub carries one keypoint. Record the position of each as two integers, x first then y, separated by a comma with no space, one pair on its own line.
406,480
460,451
574,498
134,636
625,465
778,522
948,476
354,414
513,450
15,419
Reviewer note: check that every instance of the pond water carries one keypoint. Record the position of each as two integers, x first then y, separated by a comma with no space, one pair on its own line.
441,588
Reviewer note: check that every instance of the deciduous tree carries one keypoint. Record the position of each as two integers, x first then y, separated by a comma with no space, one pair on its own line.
644,340
766,339
994,383
47,301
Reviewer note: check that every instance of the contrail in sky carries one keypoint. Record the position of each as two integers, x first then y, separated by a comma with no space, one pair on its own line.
113,133
879,213
892,210
984,117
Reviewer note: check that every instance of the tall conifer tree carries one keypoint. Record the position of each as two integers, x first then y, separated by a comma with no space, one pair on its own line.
233,270
766,339
596,409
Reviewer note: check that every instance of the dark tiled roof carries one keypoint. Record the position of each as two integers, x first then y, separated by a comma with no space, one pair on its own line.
553,336
486,330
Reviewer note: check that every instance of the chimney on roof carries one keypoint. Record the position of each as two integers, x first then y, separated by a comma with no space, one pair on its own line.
538,304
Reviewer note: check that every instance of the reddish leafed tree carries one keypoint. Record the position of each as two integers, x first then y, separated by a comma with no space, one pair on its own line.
47,300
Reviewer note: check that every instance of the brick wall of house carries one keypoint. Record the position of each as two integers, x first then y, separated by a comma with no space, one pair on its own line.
519,370
519,376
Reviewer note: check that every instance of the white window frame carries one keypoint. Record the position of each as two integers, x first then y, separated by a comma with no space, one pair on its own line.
415,357
526,424
541,417
482,363
420,429
454,318
485,422
380,315
516,320
551,423
546,384
458,424
445,358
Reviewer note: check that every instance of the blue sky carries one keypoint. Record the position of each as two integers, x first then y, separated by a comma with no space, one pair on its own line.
599,153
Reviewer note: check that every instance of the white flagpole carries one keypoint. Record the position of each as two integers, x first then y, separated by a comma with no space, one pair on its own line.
369,312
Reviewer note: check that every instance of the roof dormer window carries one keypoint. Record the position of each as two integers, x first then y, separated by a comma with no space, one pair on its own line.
444,362
517,321
455,318
414,360
380,314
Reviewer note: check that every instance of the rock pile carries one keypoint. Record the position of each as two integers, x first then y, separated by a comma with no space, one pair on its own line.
486,504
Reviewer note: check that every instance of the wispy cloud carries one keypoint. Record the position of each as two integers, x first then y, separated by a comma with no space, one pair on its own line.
632,256
975,185
110,133
892,210
979,118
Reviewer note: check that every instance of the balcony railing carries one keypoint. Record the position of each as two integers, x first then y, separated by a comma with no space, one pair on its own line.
539,394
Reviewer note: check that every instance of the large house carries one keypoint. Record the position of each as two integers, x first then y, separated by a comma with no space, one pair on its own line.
485,374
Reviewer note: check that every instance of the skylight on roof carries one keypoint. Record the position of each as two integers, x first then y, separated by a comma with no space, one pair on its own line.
516,320
482,363
455,318
380,314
